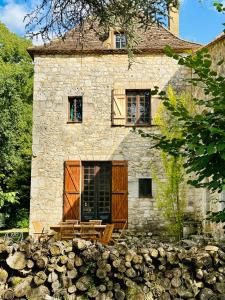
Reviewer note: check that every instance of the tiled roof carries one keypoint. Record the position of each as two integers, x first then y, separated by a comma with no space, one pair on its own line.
152,41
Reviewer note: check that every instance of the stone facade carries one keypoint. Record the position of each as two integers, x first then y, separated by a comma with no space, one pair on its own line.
54,140
215,202
217,51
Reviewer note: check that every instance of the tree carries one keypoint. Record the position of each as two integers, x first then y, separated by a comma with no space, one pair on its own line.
171,189
55,17
16,80
202,140
200,137
202,132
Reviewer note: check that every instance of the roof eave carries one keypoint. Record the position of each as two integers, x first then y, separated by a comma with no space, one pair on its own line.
215,41
40,52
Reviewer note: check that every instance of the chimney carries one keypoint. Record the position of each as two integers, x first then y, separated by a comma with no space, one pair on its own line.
173,20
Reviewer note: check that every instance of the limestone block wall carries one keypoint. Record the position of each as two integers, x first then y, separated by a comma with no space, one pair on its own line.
217,52
214,201
55,141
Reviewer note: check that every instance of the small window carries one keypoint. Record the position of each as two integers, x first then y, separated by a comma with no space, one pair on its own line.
75,109
138,108
145,188
121,41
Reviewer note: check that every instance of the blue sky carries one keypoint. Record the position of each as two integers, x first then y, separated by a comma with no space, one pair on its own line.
199,22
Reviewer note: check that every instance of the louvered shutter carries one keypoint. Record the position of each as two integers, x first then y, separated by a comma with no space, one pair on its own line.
72,190
155,102
118,107
119,193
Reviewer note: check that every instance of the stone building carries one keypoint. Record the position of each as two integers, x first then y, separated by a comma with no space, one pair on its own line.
213,201
217,51
87,161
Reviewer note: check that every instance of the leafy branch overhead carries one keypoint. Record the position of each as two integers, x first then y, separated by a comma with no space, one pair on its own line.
56,17
219,6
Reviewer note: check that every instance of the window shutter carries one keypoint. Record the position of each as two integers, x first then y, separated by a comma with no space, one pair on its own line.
119,193
71,190
118,107
155,102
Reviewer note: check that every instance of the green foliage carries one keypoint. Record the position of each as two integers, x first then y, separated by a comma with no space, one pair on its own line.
201,138
202,142
20,219
202,133
171,190
170,194
219,6
7,198
16,81
217,217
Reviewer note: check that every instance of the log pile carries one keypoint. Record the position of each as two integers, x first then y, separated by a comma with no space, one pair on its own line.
83,270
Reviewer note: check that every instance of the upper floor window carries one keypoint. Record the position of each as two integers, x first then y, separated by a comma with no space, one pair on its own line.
121,41
75,109
138,108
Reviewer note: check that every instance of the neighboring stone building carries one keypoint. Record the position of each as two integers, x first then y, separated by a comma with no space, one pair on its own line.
215,202
87,162
217,51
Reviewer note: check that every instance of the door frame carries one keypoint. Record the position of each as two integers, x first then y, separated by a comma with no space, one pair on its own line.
94,162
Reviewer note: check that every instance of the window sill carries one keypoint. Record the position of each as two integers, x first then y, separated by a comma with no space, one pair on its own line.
138,125
70,122
134,126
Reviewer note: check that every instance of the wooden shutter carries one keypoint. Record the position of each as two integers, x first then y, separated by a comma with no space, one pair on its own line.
155,102
118,107
71,208
119,193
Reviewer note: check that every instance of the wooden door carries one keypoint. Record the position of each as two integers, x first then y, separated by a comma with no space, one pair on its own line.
104,191
119,193
71,190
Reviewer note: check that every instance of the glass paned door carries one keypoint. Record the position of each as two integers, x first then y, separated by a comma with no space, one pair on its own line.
96,192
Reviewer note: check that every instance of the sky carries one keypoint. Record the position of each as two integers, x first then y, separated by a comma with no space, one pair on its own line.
199,21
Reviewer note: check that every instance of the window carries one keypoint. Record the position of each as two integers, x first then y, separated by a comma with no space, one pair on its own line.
145,188
75,109
121,41
138,108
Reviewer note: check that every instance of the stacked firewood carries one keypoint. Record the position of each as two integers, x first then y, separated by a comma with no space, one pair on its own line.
83,270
